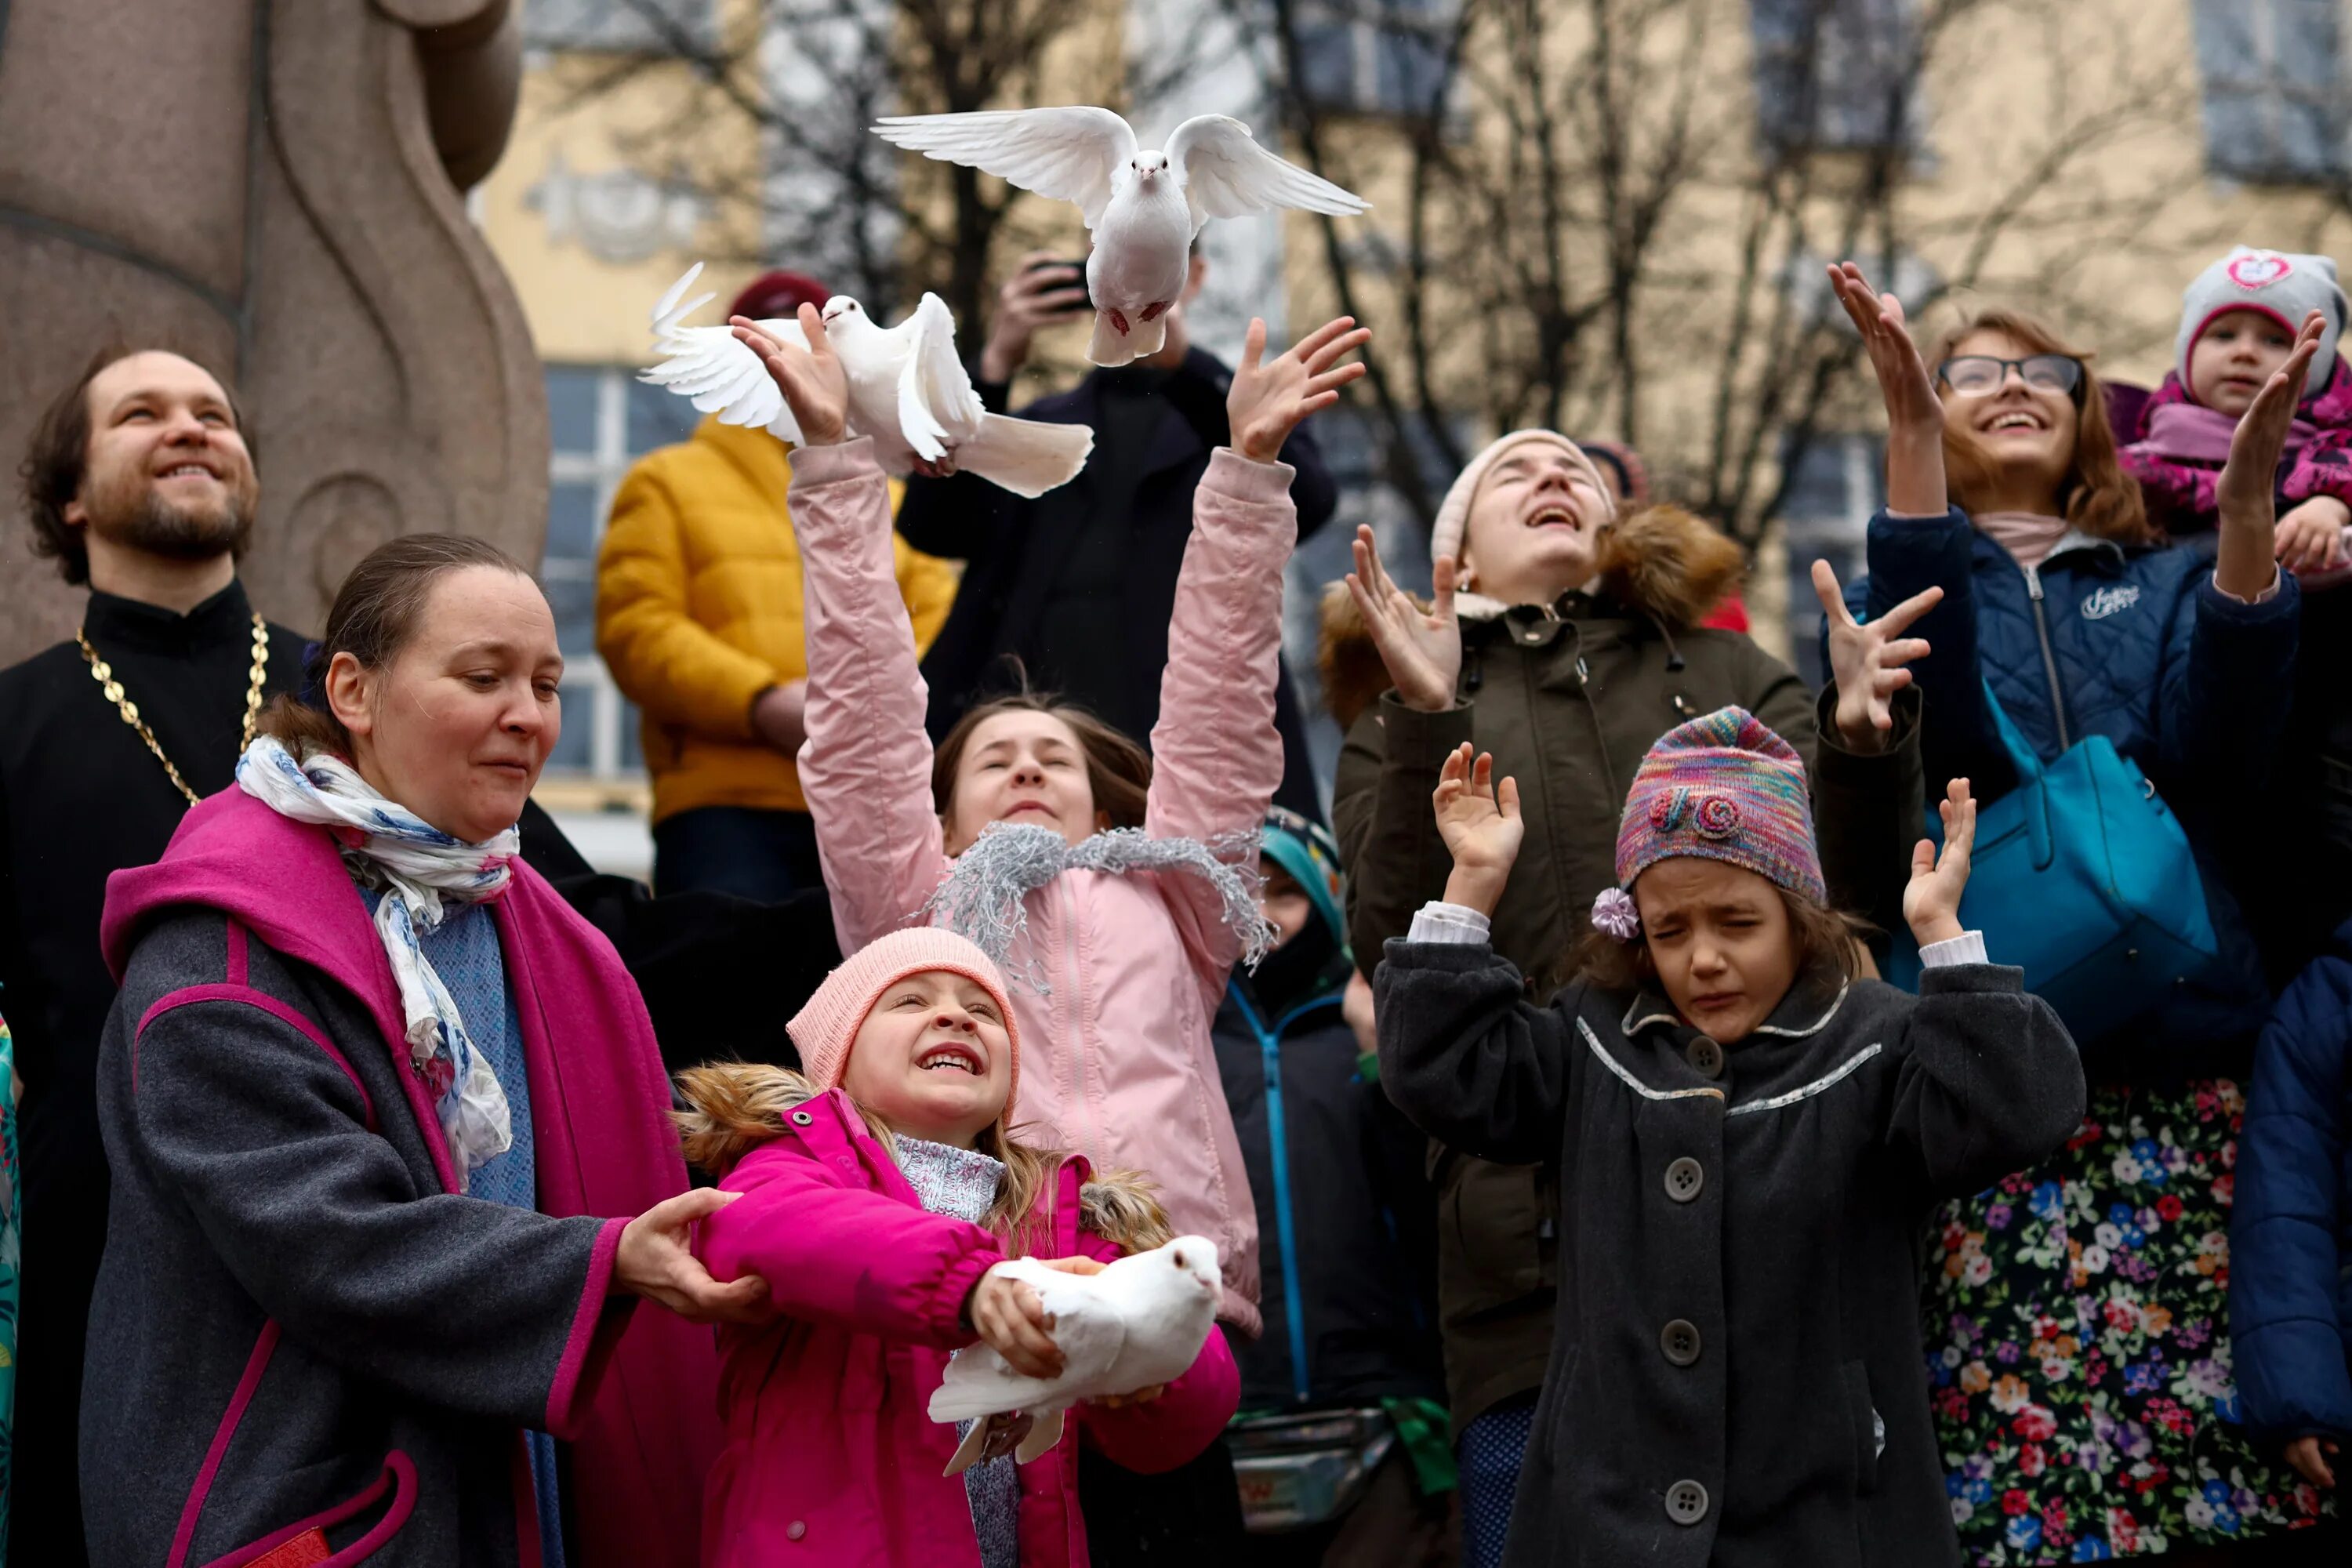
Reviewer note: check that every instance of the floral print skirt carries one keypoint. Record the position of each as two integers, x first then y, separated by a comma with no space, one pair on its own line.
2077,1351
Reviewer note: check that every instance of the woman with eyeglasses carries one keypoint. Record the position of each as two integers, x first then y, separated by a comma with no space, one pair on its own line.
2076,1330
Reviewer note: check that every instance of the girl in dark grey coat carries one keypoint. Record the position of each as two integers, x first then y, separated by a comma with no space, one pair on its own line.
1748,1141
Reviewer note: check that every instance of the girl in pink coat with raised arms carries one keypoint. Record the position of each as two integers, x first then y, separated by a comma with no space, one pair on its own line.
1114,886
877,1192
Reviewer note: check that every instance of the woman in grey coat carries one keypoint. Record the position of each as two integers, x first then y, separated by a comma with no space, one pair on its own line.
1747,1139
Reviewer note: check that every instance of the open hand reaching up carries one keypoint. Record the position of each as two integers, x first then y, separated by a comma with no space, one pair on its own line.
2243,563
1931,904
1267,402
1421,649
811,378
1915,415
1867,659
1480,822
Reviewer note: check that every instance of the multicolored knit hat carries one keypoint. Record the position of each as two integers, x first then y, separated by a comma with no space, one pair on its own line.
1722,787
1309,856
827,1027
2282,285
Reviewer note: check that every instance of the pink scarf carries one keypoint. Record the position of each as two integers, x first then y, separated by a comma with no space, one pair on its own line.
2030,536
2191,433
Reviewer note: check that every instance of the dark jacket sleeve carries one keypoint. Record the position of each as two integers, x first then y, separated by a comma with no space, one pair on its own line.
1992,1082
1778,695
1312,490
1464,1053
1868,811
453,1300
2227,683
1906,556
1380,816
2285,1326
961,518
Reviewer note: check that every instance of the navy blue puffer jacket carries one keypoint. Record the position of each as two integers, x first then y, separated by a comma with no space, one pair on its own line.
2291,1232
2131,642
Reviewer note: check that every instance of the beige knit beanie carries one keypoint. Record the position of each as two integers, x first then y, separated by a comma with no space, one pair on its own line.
826,1027
1454,514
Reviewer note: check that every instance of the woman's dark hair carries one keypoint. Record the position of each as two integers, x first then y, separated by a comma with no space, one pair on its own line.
376,612
2097,495
56,459
1824,938
1118,770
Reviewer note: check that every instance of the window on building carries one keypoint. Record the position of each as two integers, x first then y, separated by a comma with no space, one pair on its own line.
1836,74
602,419
1375,57
1837,481
2271,76
619,27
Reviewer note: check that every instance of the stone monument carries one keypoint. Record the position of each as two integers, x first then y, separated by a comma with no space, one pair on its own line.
275,188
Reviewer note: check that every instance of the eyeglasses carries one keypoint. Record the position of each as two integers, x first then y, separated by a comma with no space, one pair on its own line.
1975,375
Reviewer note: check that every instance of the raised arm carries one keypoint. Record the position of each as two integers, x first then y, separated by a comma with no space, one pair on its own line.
866,768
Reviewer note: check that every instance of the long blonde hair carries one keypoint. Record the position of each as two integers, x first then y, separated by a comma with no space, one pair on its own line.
735,1107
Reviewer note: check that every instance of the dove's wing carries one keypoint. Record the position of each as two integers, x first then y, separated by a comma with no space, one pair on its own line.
1070,155
718,374
1227,175
936,402
1087,1329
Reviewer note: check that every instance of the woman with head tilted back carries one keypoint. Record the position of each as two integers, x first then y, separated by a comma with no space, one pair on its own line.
380,1111
2076,1330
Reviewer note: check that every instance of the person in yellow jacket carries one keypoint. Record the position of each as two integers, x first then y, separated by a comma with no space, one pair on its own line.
699,620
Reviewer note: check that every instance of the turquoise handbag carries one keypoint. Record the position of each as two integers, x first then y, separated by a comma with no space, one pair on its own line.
2082,875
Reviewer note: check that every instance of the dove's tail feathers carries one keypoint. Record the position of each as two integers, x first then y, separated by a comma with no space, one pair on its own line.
1044,1433
1027,457
1112,348
968,1452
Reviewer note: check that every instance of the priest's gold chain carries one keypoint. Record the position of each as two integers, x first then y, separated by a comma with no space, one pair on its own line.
104,676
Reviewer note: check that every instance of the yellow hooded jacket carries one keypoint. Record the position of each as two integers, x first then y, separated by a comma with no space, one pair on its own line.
698,611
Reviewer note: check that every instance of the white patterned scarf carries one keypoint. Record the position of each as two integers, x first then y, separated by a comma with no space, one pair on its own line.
983,895
419,866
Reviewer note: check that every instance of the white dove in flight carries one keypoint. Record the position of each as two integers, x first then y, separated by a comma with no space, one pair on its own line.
1143,209
1137,1324
907,390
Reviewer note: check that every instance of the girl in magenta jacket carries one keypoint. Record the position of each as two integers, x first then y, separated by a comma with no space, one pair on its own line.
1122,940
876,1193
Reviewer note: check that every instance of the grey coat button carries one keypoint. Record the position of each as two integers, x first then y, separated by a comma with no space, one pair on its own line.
1707,1057
1679,1340
1685,1179
801,1118
795,1530
1686,1502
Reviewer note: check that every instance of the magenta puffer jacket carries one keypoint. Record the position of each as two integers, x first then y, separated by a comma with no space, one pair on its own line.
1119,1064
2182,496
830,1456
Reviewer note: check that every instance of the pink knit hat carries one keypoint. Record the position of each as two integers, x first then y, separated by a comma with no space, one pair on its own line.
1722,787
825,1028
1454,514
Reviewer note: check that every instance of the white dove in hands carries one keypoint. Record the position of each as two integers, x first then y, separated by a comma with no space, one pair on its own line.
1267,402
814,384
1931,904
1481,824
1867,659
1420,650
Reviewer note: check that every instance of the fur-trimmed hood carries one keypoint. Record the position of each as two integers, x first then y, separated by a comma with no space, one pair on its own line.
1661,564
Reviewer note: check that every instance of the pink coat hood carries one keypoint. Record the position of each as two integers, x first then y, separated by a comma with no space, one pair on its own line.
1118,1062
831,1456
639,1407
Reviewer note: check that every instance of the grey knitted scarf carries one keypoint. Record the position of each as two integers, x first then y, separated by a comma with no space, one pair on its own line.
983,898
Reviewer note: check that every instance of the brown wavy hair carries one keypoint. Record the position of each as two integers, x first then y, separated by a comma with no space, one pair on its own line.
2096,495
732,1108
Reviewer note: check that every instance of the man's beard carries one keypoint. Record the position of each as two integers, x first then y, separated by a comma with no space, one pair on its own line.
147,523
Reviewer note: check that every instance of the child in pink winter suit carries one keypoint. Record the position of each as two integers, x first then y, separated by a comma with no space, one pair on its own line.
876,1192
1121,940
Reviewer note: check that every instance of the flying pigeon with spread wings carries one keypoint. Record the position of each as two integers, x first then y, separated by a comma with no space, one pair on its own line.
1144,208
907,390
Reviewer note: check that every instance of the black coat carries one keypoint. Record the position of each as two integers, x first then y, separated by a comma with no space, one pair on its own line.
1345,1216
1011,548
1735,1373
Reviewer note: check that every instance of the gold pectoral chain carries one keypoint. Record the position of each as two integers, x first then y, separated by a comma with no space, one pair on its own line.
130,709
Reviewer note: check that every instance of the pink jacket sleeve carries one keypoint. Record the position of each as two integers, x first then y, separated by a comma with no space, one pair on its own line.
845,1257
866,767
1216,757
1173,1429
